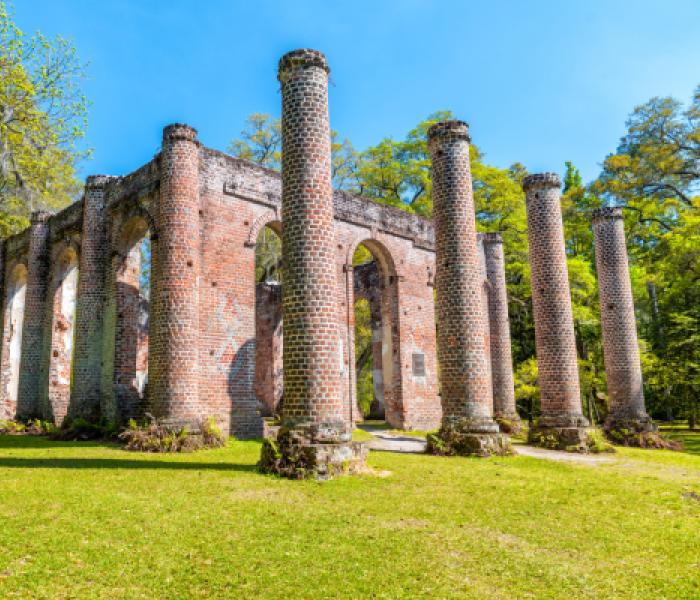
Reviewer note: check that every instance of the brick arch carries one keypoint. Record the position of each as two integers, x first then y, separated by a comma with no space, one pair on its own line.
14,306
269,218
131,309
62,298
378,250
386,352
133,228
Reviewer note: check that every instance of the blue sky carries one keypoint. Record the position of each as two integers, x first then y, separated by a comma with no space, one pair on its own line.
539,82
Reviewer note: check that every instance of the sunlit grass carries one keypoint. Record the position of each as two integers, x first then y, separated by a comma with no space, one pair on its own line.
90,520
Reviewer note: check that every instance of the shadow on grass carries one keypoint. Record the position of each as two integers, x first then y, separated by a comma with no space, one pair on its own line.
120,463
37,441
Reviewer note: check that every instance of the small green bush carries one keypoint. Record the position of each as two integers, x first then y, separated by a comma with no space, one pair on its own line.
155,436
82,430
596,442
31,427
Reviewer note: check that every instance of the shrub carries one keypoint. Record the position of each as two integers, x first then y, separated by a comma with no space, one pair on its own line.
596,442
646,439
10,427
156,436
31,427
82,430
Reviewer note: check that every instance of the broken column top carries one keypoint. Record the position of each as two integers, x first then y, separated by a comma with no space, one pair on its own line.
179,131
454,129
491,237
302,58
541,180
606,212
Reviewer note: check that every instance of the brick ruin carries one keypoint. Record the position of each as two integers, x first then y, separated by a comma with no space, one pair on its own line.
84,336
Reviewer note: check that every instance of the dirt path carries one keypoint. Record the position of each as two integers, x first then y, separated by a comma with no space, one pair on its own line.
389,441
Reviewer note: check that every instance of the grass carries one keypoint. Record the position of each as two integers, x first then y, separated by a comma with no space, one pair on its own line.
88,520
689,439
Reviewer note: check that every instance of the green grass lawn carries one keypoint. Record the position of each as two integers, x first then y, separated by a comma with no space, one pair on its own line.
80,520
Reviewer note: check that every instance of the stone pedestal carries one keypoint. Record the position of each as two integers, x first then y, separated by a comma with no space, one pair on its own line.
469,437
561,433
308,454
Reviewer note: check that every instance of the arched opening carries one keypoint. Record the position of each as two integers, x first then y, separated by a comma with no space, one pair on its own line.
377,368
268,320
14,322
65,290
133,285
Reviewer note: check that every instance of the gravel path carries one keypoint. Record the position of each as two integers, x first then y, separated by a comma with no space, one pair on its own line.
389,441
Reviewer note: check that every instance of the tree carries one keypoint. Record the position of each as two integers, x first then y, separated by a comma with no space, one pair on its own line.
261,142
42,119
656,169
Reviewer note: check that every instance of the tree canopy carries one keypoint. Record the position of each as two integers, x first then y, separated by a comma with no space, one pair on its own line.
42,118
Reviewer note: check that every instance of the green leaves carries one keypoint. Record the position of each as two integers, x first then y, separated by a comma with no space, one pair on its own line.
43,116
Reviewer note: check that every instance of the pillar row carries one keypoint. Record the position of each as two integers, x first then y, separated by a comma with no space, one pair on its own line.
462,327
30,375
555,342
499,327
173,362
89,314
620,347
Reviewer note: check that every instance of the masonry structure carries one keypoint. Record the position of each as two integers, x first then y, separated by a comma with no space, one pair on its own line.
503,389
627,413
84,334
561,421
467,425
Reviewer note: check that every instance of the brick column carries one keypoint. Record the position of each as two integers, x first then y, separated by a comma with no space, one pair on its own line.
89,313
467,406
173,362
499,328
31,361
621,351
555,343
313,415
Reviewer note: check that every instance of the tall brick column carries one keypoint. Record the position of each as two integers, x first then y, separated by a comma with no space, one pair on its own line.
555,343
621,351
31,361
89,312
173,361
314,439
499,325
467,423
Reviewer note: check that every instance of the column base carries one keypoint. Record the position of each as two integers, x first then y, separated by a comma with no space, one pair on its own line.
570,433
638,432
469,437
296,454
509,423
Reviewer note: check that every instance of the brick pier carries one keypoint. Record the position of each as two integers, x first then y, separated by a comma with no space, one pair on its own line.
620,347
467,405
562,419
501,358
315,437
